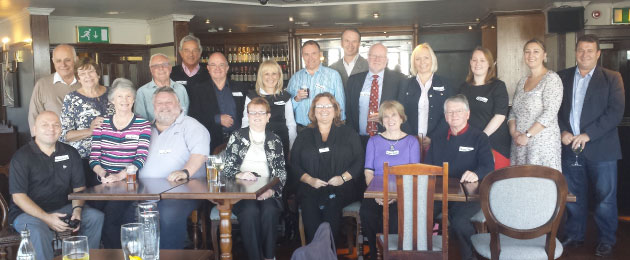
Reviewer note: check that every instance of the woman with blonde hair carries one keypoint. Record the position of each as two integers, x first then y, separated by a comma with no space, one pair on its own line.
423,96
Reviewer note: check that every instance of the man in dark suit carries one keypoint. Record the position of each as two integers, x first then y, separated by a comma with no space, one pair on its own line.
351,63
190,73
359,93
592,107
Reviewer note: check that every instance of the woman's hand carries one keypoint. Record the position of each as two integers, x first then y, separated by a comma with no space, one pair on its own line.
246,176
115,177
316,183
521,140
380,201
267,194
96,122
336,181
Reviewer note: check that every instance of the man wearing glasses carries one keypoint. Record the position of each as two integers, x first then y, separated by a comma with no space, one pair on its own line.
160,71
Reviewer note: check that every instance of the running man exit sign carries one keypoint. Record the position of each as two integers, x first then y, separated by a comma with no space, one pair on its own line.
92,34
620,16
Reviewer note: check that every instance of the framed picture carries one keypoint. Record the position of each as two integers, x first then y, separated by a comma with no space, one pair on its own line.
10,97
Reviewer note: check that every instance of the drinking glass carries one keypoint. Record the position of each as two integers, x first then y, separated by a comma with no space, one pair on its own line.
131,173
151,221
75,248
218,161
132,239
211,172
145,206
577,151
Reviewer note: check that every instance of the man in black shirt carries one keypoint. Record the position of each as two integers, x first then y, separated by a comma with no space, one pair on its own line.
42,174
190,73
467,151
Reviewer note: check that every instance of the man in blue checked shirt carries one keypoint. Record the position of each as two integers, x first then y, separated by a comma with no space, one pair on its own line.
312,80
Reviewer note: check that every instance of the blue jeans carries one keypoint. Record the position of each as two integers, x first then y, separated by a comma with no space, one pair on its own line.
42,236
603,178
173,218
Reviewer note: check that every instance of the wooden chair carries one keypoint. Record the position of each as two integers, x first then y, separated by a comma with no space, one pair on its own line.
523,206
415,188
9,238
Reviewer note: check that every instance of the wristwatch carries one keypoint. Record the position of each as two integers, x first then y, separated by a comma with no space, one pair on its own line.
187,173
528,134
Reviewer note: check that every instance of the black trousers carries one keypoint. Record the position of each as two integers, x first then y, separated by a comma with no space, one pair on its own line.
313,214
372,221
459,214
258,220
117,213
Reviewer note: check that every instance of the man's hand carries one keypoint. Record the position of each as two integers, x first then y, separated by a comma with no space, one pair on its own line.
177,176
76,214
426,142
226,120
566,138
301,94
469,177
53,220
373,117
580,140
335,181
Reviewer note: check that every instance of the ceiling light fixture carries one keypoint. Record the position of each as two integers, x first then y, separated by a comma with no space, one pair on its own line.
230,30
469,27
113,12
493,27
207,20
290,18
375,15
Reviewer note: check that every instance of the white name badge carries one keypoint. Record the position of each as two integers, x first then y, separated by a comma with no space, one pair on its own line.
279,103
390,152
237,94
320,86
482,99
466,149
132,137
365,94
165,151
438,88
324,150
61,158
183,82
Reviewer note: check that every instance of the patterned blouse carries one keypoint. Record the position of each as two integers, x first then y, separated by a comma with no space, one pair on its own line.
77,113
237,148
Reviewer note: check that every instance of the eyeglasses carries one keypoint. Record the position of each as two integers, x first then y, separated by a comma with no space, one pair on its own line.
222,65
255,113
164,65
324,106
450,113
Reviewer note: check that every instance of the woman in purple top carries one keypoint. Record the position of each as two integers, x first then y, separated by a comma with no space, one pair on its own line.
393,146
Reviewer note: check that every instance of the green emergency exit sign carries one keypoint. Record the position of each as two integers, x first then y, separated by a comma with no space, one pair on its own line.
93,34
620,16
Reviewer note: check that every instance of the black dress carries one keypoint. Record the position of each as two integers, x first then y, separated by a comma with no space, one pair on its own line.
323,160
486,101
278,122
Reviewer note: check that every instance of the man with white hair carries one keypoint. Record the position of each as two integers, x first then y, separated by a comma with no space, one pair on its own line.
160,72
190,73
49,91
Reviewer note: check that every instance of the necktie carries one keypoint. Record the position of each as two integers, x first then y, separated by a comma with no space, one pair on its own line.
372,127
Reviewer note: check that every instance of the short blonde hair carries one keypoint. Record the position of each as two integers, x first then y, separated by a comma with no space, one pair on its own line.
391,105
269,65
434,62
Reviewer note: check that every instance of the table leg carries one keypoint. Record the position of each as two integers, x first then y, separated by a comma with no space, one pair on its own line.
225,228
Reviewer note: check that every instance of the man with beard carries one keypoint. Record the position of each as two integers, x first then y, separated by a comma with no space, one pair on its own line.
179,147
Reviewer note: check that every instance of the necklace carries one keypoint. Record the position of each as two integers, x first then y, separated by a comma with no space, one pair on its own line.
392,146
251,137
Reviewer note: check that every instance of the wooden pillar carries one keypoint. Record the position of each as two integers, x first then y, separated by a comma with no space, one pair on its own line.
415,35
180,29
41,42
293,59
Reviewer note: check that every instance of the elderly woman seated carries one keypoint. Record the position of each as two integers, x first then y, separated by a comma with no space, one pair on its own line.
253,152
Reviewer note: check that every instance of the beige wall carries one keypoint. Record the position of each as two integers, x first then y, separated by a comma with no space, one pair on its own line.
167,50
512,33
16,27
122,31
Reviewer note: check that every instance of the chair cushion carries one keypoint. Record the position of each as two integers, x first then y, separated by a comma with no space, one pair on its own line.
353,207
214,215
478,218
393,242
512,248
524,202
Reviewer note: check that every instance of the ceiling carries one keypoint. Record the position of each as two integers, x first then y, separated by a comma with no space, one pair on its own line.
240,15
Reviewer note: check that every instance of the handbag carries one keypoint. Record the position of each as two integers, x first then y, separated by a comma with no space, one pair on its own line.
322,247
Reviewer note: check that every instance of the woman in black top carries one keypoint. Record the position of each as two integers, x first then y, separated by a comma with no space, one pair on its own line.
327,158
488,100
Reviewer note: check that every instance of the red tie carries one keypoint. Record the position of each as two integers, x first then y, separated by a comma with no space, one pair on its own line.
372,127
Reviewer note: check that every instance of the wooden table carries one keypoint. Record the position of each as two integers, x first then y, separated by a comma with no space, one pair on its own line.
456,191
143,189
225,197
165,254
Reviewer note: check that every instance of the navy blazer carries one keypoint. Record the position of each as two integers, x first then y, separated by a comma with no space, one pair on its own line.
601,113
410,95
391,84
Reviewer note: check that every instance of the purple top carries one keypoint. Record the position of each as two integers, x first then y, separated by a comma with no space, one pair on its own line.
378,152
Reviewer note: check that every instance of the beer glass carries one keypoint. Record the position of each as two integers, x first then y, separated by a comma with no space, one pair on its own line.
132,240
151,221
75,248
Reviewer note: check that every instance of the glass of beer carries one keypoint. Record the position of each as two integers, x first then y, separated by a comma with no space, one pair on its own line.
131,173
75,248
211,171
132,240
305,88
218,161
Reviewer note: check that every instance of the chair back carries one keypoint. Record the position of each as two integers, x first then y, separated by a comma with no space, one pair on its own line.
415,188
523,202
4,196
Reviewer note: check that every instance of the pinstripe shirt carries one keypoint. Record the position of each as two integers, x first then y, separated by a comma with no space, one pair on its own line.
324,80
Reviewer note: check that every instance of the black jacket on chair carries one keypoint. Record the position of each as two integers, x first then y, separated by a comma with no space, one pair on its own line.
410,95
391,84
602,111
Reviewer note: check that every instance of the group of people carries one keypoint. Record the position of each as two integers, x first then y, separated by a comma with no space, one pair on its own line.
325,136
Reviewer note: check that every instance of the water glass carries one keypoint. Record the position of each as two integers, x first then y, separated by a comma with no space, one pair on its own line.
151,221
132,239
145,206
75,248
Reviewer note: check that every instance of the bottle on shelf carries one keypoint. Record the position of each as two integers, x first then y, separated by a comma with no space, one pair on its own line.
26,251
229,56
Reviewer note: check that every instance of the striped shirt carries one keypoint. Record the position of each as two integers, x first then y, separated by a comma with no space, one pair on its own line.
114,149
324,80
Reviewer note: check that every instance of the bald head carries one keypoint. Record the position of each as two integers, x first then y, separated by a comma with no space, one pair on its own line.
218,67
63,59
377,58
47,128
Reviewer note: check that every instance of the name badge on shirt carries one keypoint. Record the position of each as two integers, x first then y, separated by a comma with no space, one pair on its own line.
183,82
165,151
438,88
324,150
132,137
365,94
322,87
482,99
466,149
61,158
237,94
279,103
392,152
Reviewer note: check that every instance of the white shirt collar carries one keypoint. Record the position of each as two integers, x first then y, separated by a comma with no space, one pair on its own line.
356,57
57,78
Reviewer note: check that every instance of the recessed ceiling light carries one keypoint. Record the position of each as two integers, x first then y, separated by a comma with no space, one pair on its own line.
230,30
493,27
477,19
290,18
5,40
375,15
113,12
469,27
207,20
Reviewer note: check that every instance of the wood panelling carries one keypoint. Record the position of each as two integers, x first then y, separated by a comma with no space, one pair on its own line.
180,29
512,33
242,38
41,43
